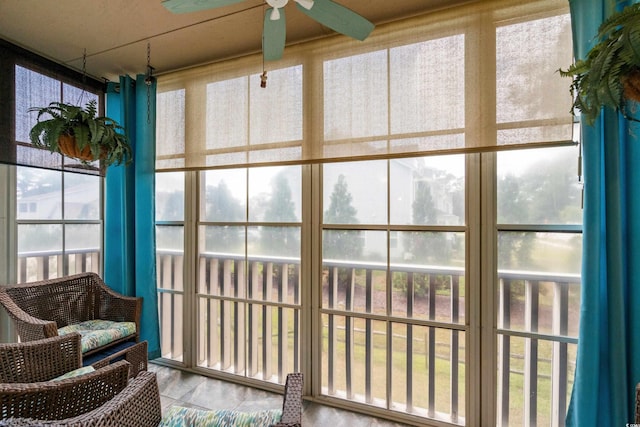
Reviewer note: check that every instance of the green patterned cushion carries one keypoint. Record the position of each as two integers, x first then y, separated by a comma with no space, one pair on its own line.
178,416
75,373
96,333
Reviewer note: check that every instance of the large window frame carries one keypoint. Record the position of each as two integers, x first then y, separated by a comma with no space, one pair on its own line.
487,120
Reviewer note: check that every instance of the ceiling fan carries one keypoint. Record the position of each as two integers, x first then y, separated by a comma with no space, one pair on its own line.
326,12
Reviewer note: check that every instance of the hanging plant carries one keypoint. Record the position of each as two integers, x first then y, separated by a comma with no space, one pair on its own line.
77,132
610,74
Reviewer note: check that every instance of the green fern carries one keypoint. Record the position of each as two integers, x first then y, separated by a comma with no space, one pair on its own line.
598,79
104,136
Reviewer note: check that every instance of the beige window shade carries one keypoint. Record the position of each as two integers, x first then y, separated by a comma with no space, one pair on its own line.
478,77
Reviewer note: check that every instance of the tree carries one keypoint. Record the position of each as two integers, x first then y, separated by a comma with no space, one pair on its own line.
422,247
221,206
281,208
341,244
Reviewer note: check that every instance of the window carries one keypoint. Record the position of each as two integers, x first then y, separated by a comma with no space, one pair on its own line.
61,231
170,248
539,261
59,214
393,318
249,271
350,222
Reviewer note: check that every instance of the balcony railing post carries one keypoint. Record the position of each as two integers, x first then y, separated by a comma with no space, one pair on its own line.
432,348
504,352
239,291
254,319
455,349
267,321
213,314
368,337
531,310
560,355
283,324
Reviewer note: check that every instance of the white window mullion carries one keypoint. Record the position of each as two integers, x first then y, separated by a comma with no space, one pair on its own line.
191,276
8,245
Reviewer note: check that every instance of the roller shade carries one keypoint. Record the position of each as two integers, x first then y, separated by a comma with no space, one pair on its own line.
478,77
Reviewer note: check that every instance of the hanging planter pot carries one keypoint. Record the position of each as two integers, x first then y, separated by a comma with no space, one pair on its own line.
631,84
68,146
78,133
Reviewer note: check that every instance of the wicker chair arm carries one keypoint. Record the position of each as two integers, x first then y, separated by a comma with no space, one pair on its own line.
138,405
637,416
29,328
118,307
292,402
36,361
53,400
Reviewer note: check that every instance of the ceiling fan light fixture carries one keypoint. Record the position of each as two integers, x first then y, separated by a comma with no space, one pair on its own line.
276,5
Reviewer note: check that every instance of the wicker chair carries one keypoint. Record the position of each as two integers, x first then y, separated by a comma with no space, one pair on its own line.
37,361
637,417
138,405
38,309
292,403
26,374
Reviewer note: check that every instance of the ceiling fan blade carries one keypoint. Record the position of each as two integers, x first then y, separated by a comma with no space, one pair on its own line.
274,35
186,6
339,18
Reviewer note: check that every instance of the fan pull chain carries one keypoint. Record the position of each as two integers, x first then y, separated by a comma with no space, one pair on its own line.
263,79
263,76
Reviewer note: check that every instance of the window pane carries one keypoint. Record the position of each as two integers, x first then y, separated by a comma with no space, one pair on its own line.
427,85
170,127
171,318
170,256
39,252
77,96
429,276
170,276
82,247
428,371
354,359
428,190
539,186
528,55
356,96
275,194
170,196
82,197
223,240
225,197
32,90
39,194
227,120
274,242
355,193
276,114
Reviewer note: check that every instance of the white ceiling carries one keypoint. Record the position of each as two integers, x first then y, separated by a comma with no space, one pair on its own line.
115,33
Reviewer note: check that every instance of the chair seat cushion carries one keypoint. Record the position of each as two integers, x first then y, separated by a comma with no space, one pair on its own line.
177,416
75,373
96,333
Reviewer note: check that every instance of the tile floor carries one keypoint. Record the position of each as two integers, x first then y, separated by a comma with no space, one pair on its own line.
187,389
